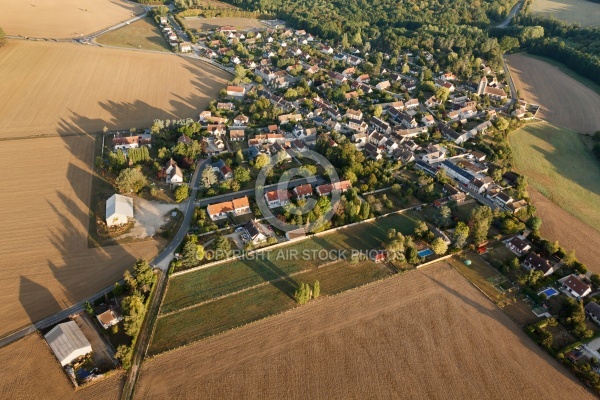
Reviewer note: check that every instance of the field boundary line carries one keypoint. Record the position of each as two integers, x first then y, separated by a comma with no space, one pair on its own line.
289,242
258,285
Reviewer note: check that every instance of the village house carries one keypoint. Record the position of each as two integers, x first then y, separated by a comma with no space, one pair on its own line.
236,135
383,85
236,91
277,198
256,231
592,310
241,120
222,169
575,287
303,191
326,189
110,317
435,153
517,245
239,206
534,261
119,210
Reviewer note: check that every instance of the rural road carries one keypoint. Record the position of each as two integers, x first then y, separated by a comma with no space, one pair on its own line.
515,10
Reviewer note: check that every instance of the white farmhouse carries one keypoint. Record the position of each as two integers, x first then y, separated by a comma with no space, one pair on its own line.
118,210
67,342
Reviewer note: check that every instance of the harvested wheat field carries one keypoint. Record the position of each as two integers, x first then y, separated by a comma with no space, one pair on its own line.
30,371
564,101
44,256
60,19
571,233
65,88
424,334
205,24
582,12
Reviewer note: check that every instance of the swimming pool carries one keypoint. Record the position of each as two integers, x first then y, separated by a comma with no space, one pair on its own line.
425,253
549,292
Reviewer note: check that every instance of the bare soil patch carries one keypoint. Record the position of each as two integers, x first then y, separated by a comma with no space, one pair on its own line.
63,88
418,335
205,24
59,19
45,260
568,230
564,101
30,371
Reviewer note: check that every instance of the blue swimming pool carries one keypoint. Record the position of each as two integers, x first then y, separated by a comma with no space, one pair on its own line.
425,253
549,292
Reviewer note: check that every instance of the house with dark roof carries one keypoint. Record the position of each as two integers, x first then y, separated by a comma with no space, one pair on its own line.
455,172
222,169
256,231
592,310
534,261
574,287
517,245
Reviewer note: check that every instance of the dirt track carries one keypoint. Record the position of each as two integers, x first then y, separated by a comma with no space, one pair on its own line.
426,334
564,101
60,88
61,19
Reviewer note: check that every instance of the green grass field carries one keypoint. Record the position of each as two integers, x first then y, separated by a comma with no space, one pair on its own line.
142,34
238,309
558,165
582,12
195,287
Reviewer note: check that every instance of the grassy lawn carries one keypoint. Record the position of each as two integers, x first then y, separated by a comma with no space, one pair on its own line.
558,165
482,275
567,71
232,311
188,289
582,12
142,34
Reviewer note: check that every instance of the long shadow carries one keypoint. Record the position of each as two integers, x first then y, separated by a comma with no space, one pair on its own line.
269,271
34,296
572,170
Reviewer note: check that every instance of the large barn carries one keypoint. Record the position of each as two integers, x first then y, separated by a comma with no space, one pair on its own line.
68,342
118,210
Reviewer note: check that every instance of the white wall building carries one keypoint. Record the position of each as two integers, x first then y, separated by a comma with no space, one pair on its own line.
68,342
118,210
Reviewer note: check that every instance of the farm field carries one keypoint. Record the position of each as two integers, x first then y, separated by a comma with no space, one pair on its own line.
60,19
209,301
142,34
571,232
564,101
410,336
204,284
559,165
68,88
44,256
582,12
30,371
204,24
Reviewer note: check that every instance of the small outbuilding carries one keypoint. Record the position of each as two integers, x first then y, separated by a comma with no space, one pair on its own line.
118,210
68,342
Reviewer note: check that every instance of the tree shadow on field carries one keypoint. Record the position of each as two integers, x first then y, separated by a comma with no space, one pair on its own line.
576,170
36,299
271,273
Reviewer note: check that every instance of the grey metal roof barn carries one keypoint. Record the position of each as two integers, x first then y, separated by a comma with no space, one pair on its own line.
68,342
118,210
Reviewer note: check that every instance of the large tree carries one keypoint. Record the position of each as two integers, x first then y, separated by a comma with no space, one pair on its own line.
131,180
480,222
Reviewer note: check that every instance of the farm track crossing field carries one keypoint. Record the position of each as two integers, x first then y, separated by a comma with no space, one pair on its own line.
30,371
564,101
142,34
582,12
204,24
59,19
204,284
423,334
44,256
560,167
63,88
